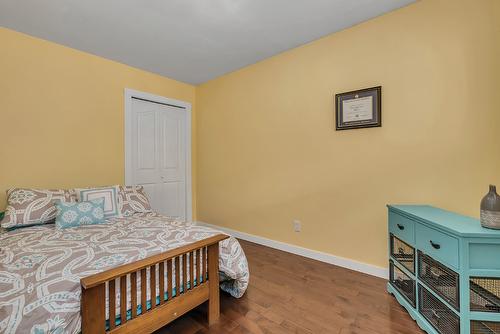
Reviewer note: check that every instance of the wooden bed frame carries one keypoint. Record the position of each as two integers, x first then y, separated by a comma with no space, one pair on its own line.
206,255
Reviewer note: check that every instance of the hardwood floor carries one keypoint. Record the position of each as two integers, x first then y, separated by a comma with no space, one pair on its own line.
292,294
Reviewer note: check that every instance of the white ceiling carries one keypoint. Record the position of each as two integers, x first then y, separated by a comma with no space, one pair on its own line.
188,40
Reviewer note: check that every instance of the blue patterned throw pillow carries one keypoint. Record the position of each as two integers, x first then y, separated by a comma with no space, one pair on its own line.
71,214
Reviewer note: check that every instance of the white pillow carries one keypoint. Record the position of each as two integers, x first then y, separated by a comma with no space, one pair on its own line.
110,195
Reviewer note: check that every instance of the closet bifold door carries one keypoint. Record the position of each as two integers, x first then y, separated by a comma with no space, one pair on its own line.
158,156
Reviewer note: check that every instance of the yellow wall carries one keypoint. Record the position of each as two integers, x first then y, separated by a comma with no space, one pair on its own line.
268,151
265,150
62,114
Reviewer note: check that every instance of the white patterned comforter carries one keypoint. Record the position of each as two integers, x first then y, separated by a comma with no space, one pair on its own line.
41,266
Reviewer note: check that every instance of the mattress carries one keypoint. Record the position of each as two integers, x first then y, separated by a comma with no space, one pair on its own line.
41,266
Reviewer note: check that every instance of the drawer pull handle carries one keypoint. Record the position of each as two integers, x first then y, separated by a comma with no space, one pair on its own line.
435,315
435,273
435,245
401,227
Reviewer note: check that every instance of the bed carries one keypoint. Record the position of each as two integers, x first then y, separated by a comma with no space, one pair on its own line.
131,274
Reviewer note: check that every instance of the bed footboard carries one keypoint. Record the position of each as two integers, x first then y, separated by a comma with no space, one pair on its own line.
176,281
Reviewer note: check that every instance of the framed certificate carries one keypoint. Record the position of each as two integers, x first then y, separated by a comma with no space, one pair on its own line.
358,109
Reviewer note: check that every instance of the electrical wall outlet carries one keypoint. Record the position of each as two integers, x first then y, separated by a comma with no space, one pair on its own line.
297,225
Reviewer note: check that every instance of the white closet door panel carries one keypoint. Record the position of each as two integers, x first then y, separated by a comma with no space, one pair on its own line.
173,161
171,132
174,197
146,150
146,143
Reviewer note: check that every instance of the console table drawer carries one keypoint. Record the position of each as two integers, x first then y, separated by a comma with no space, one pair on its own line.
438,314
402,227
403,253
402,282
485,294
484,327
442,280
438,245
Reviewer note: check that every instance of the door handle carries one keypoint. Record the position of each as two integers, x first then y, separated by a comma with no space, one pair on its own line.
401,227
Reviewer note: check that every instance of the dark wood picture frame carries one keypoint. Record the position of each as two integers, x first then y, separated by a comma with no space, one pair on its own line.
376,109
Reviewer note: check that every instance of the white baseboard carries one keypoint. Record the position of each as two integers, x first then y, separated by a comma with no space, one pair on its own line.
305,252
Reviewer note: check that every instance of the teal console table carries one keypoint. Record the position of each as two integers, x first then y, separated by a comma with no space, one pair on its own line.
444,270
